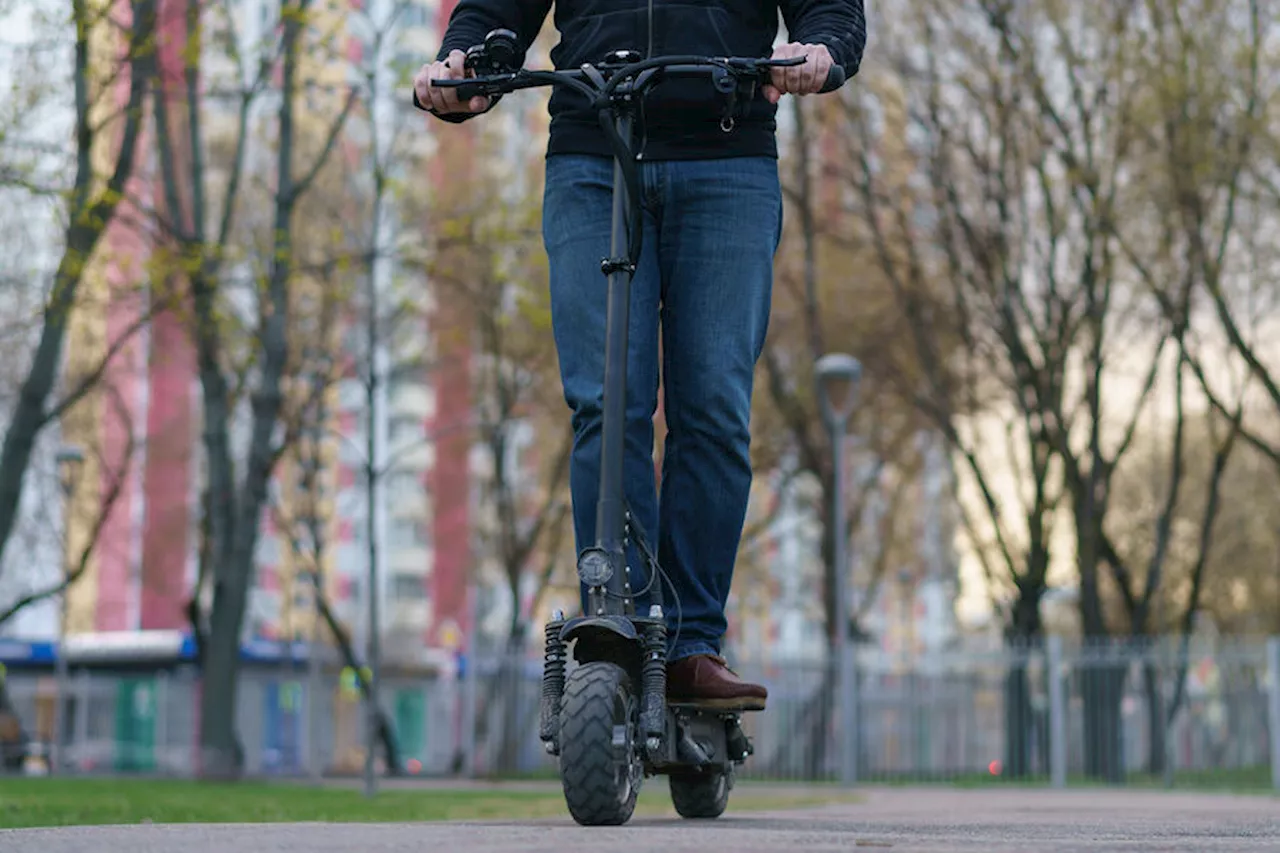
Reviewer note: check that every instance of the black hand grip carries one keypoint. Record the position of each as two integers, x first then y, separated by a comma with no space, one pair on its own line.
835,79
465,89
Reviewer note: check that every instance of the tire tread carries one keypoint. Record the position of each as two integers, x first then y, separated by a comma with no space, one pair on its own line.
586,746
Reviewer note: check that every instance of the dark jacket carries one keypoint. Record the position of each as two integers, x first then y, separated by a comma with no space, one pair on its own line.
680,118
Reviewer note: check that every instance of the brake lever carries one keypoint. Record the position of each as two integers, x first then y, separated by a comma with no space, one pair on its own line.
741,80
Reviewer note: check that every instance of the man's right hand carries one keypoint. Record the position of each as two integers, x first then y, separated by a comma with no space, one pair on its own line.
443,101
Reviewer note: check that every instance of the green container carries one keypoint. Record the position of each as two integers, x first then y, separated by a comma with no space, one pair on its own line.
136,725
411,718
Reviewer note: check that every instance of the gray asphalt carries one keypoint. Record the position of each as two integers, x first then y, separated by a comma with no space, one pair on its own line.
901,820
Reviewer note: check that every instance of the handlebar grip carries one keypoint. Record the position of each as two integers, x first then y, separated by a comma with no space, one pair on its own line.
835,79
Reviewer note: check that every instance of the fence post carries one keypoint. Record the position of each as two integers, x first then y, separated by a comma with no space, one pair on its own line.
80,732
1057,714
470,685
1273,675
312,720
1166,724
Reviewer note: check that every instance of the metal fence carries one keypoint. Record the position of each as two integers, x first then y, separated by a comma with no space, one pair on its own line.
1137,713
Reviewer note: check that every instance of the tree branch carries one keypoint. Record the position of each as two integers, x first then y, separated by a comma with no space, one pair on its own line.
107,503
302,184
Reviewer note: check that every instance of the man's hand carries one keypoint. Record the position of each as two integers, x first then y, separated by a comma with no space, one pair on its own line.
444,100
799,79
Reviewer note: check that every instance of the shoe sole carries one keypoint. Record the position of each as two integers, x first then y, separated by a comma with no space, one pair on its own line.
750,704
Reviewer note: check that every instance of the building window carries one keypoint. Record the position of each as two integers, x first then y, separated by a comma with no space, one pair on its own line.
408,533
408,587
413,15
404,486
405,429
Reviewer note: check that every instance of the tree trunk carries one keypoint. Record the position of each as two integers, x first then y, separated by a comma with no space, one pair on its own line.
1102,676
1021,639
1102,689
1018,716
221,755
1156,732
241,519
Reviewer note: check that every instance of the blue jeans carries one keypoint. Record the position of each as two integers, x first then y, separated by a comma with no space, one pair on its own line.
711,229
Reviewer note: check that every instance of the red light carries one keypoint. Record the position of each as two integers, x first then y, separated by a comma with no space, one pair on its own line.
414,766
995,767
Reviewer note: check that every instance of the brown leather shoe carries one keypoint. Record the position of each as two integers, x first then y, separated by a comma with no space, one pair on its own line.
707,681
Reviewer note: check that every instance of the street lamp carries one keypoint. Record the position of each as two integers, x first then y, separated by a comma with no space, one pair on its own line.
70,461
838,376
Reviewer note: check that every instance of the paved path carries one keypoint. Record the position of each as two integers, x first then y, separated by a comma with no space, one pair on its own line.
897,820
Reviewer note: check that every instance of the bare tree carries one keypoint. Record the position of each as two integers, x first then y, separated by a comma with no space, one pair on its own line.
73,567
810,311
944,226
1198,244
116,473
1028,144
93,202
816,304
1214,158
1169,527
487,262
304,525
1038,126
236,503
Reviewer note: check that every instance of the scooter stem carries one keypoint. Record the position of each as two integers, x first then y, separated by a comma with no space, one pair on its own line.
611,504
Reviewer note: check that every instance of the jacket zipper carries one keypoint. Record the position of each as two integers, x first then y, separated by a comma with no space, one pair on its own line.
644,126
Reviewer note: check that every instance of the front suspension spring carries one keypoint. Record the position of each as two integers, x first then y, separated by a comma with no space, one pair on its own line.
653,689
552,684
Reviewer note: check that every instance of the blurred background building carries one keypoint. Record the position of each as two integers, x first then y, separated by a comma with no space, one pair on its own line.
434,573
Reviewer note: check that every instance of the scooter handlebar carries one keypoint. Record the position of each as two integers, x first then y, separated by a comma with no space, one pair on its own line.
495,81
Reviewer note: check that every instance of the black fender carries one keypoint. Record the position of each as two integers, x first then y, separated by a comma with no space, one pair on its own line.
599,627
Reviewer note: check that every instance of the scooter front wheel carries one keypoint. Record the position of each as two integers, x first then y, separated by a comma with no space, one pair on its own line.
600,769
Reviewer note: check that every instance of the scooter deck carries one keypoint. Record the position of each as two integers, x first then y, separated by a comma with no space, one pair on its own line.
712,707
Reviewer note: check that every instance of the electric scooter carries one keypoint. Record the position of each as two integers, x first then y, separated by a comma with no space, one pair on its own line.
608,719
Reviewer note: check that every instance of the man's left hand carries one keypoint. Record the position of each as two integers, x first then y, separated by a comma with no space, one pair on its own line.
799,79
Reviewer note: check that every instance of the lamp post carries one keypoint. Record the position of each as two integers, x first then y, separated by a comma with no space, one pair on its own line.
313,677
838,376
70,460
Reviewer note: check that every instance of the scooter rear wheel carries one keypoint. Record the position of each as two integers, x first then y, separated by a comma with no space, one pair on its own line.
700,795
600,770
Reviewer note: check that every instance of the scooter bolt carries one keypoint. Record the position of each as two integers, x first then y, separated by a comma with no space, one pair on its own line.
652,744
557,615
551,747
655,611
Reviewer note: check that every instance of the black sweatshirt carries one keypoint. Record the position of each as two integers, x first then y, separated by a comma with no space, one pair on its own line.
681,119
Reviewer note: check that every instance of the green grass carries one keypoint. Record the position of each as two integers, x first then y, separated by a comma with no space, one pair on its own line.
26,802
